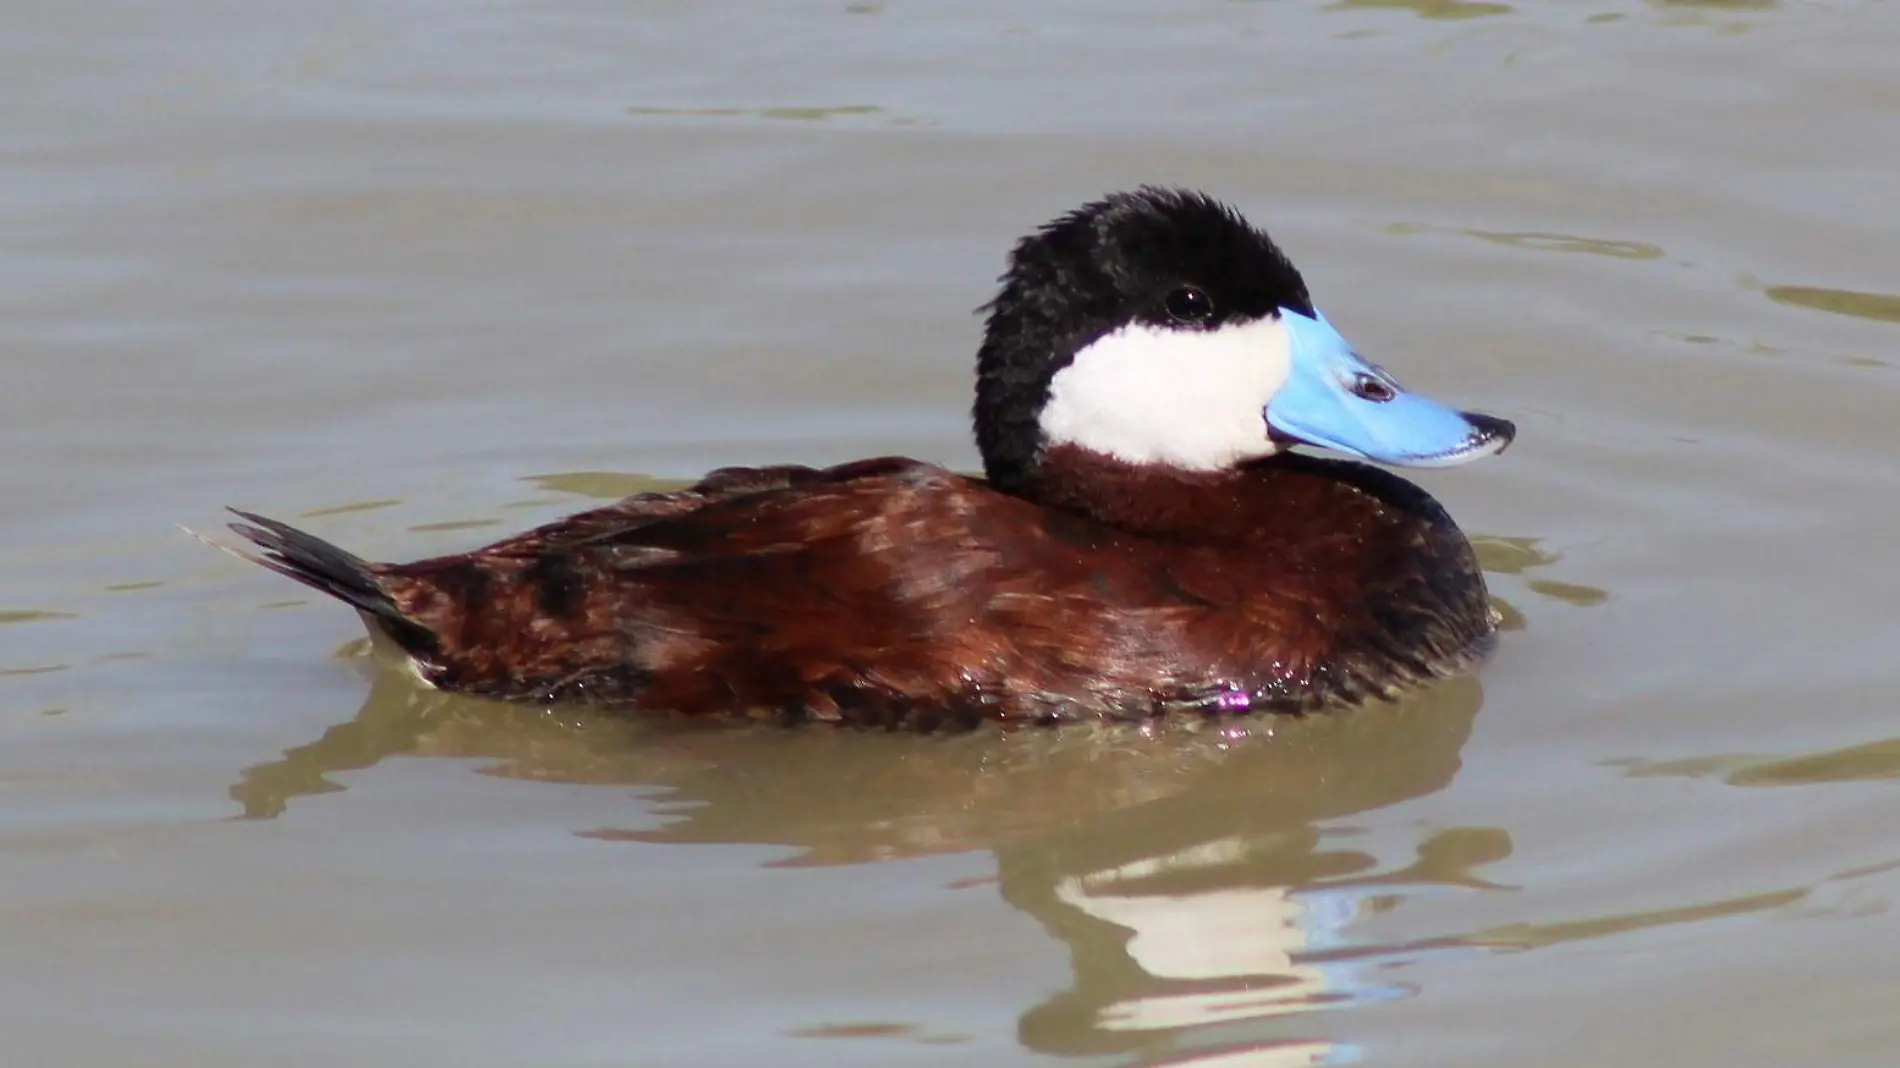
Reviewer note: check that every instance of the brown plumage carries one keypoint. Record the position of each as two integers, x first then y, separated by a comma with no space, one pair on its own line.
1123,559
894,592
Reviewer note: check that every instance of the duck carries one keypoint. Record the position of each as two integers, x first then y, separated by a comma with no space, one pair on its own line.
1146,539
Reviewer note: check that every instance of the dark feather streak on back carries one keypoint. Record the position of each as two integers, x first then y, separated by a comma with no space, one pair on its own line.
466,583
558,585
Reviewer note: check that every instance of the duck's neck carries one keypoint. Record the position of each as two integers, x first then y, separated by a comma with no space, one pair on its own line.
1291,498
1145,498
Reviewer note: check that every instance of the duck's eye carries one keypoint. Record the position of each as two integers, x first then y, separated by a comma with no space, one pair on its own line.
1190,305
1372,388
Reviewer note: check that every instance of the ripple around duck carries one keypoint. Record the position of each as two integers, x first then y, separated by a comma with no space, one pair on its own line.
1878,307
1876,761
1440,10
32,616
1540,241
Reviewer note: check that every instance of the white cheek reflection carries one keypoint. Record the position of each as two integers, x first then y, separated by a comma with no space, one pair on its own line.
1235,953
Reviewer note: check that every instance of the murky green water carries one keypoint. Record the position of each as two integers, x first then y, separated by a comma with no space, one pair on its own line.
422,273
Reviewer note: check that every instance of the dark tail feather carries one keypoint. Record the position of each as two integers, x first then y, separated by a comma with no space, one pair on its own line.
322,566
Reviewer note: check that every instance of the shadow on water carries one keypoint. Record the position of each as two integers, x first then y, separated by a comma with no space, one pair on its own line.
1191,871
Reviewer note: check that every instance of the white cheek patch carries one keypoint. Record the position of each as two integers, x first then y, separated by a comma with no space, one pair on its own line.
1192,399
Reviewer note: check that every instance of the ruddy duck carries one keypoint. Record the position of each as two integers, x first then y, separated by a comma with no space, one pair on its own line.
1144,541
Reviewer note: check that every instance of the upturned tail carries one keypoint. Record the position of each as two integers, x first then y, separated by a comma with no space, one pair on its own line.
322,566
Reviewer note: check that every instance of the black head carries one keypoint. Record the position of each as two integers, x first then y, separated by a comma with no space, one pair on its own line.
1160,329
1170,258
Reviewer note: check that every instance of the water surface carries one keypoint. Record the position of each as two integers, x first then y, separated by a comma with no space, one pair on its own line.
414,274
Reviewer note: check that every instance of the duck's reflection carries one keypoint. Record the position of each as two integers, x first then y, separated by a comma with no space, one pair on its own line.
1196,919
1202,877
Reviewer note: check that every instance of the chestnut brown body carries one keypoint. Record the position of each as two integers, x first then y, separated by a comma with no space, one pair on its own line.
898,593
